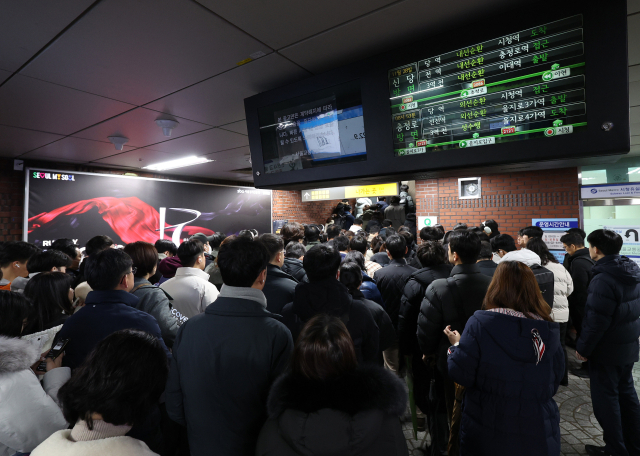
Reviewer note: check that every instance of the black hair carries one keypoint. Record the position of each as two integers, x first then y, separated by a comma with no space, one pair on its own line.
382,198
311,233
394,200
466,244
493,226
122,380
342,243
359,244
431,233
216,240
431,253
97,244
355,257
578,231
358,221
241,261
19,251
189,251
333,231
386,223
532,231
250,234
105,269
273,243
607,241
485,251
165,245
47,260
397,246
572,239
321,262
408,238
503,242
14,308
404,188
66,245
351,275
144,257
539,247
48,293
460,226
295,250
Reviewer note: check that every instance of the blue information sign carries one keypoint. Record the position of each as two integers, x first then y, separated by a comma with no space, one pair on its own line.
556,224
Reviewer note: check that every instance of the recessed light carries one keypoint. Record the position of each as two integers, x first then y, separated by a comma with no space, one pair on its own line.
179,163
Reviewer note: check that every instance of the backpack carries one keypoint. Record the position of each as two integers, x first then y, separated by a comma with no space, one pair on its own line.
407,202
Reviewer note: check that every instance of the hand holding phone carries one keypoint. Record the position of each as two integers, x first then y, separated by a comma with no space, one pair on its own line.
53,358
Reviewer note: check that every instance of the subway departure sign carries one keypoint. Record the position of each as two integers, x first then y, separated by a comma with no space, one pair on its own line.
523,85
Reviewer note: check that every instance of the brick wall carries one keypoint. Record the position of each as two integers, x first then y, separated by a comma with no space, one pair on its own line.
511,199
288,205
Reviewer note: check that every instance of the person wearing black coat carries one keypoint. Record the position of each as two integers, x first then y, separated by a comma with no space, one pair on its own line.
510,361
351,277
328,405
225,360
325,294
579,264
609,341
280,287
485,259
451,302
293,266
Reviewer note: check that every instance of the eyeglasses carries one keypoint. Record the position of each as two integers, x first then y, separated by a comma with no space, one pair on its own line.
133,270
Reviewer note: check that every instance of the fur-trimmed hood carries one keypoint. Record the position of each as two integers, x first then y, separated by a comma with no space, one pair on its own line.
367,388
16,354
356,414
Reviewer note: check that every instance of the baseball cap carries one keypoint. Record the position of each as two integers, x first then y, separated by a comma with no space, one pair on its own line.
202,237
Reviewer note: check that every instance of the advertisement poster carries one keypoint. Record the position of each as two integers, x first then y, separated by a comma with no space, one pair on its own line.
61,204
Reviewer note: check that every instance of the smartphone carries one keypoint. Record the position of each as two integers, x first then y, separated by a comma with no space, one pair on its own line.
53,354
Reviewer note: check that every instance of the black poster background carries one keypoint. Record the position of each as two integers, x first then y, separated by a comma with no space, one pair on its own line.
133,214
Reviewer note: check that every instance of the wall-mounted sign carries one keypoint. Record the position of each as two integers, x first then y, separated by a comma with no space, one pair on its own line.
554,229
628,190
556,224
368,191
426,221
630,239
322,194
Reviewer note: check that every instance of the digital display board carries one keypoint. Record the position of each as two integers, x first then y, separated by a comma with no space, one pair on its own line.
319,129
517,86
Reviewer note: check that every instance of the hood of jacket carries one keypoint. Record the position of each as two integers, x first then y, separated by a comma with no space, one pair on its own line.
525,256
335,417
16,354
620,267
324,296
513,334
427,275
169,266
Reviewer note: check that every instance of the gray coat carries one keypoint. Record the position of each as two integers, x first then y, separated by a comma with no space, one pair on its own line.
156,302
395,214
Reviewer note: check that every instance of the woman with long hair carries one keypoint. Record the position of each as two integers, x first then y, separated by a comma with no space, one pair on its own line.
562,288
510,361
51,298
327,404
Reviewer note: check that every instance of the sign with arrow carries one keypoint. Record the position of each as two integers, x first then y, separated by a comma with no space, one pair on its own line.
630,239
322,194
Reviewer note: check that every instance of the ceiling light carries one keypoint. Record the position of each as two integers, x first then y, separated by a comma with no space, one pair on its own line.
118,141
167,125
179,163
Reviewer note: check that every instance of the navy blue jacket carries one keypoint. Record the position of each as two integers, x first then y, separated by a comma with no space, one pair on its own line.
104,313
370,290
611,327
224,362
508,407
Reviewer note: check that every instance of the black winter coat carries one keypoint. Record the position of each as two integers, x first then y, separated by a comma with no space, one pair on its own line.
488,267
412,297
279,288
295,269
381,317
331,297
357,414
580,266
381,258
224,362
391,281
611,326
447,302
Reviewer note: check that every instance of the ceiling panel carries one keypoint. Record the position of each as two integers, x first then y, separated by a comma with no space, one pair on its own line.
634,115
241,126
279,23
4,75
633,39
634,93
220,100
387,29
140,127
633,6
138,51
137,158
16,141
30,24
73,149
203,143
213,170
31,103
634,73
635,129
238,156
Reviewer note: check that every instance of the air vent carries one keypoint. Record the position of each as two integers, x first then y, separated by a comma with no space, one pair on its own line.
242,171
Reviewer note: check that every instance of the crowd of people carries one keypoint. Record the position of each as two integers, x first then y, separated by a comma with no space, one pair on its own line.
319,340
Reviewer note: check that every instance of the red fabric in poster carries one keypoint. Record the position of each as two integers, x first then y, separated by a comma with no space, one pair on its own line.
131,218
